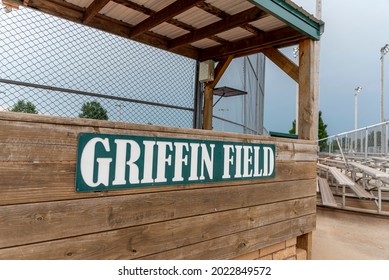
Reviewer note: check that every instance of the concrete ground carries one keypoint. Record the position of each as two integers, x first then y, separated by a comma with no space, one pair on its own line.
346,235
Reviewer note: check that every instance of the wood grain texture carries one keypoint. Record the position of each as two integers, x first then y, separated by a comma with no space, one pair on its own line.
38,182
228,247
24,141
37,222
144,240
308,95
90,125
42,217
284,63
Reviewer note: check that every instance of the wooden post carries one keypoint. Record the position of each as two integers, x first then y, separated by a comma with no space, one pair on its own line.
208,91
307,112
208,107
308,93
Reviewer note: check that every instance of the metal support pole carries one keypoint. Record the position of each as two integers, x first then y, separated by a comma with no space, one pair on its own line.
386,139
366,143
197,106
357,91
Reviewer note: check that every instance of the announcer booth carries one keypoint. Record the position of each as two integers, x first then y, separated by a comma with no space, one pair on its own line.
75,188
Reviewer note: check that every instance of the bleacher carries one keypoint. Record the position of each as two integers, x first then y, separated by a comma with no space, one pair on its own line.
353,177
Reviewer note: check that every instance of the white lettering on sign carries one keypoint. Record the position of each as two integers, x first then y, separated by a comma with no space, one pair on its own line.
88,163
119,161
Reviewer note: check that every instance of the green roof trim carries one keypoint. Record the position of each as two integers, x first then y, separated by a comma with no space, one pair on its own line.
283,135
294,16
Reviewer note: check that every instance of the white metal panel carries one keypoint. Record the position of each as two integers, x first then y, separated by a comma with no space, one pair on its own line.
80,3
268,23
169,30
234,34
231,6
205,43
197,17
122,13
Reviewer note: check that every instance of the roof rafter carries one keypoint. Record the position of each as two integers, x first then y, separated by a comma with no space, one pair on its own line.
257,43
144,10
93,9
135,6
284,63
175,22
223,15
295,25
76,14
165,14
219,26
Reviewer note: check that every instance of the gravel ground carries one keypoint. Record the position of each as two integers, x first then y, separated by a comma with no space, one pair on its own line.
346,235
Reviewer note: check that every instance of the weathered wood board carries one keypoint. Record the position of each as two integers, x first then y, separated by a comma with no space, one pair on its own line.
42,217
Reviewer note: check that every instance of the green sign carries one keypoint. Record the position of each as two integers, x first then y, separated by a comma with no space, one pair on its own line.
112,162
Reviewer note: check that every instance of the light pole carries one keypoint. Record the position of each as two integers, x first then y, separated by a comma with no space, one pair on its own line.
296,56
223,110
384,51
357,91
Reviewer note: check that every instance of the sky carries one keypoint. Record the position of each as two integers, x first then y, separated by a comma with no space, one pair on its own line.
354,33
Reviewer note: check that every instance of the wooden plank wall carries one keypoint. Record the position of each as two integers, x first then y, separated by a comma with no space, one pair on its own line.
42,217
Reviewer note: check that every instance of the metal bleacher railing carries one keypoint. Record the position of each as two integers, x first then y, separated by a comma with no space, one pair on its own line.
363,142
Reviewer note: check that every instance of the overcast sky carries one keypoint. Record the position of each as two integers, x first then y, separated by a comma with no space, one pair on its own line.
355,31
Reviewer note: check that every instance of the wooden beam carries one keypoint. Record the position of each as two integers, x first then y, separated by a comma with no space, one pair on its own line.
93,9
307,112
212,10
165,14
284,63
134,6
308,94
305,242
208,92
142,9
208,108
223,15
219,26
287,43
257,43
12,4
220,69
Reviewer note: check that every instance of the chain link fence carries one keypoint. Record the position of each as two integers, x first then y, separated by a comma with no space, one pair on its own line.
55,67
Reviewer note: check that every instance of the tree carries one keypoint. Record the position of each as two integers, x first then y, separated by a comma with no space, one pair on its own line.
293,129
24,107
93,110
322,133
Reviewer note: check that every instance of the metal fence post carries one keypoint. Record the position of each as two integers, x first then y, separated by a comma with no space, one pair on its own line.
366,142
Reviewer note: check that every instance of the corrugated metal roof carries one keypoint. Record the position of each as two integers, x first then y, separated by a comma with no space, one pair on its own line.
208,29
122,13
235,34
268,24
231,6
80,3
169,30
205,43
197,17
153,4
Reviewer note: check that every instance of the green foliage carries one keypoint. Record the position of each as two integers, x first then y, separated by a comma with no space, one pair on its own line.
293,129
24,107
322,128
322,133
93,110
